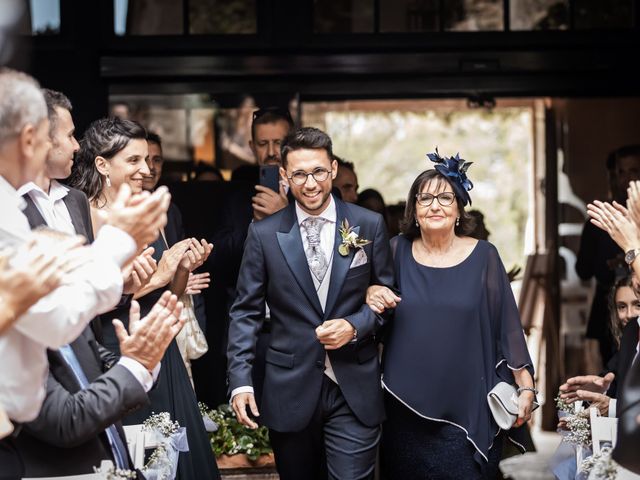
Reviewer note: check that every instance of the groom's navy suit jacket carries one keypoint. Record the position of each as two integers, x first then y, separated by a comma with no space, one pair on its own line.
274,268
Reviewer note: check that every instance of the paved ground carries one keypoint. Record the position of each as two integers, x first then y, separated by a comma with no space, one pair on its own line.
533,466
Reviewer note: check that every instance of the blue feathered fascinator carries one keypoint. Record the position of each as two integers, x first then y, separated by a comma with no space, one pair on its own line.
455,170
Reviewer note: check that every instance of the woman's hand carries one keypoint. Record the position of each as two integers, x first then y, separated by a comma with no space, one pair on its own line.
139,272
525,407
380,298
197,282
170,261
196,255
633,201
616,220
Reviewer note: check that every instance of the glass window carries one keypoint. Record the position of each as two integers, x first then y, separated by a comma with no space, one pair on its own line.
44,17
473,15
222,16
597,14
409,15
148,17
539,14
343,16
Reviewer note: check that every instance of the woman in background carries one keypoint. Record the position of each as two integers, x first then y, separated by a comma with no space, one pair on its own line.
114,152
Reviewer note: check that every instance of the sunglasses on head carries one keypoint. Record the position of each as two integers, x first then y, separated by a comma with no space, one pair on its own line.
276,111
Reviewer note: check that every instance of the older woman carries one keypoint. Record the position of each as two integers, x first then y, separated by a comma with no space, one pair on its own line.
456,333
114,152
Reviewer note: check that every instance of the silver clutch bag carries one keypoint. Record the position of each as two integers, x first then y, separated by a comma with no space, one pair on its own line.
503,403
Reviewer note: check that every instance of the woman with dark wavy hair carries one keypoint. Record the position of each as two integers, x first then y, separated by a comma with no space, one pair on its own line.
456,333
114,152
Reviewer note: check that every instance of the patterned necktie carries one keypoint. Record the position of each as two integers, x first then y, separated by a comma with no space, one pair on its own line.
315,256
118,447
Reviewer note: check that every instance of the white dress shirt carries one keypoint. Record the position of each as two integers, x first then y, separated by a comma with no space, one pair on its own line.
327,241
59,318
56,214
51,206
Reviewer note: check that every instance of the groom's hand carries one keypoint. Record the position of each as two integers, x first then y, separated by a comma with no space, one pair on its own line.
239,404
334,334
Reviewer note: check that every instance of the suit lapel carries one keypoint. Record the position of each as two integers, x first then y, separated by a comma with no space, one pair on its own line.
340,265
290,243
76,215
32,213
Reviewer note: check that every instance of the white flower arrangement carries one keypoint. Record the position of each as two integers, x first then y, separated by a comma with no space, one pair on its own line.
602,465
163,461
579,430
161,423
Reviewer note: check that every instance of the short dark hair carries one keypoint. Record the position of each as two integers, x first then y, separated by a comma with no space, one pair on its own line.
306,138
154,138
55,99
622,152
267,115
344,163
103,138
408,225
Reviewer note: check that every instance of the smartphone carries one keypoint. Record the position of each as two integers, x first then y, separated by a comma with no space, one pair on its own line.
270,177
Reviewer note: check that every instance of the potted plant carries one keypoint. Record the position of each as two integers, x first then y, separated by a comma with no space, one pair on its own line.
236,446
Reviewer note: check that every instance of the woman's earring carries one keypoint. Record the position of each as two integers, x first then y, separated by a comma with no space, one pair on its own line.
108,180
457,221
417,224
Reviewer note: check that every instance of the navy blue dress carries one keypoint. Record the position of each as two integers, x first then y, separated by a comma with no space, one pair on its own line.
173,392
455,334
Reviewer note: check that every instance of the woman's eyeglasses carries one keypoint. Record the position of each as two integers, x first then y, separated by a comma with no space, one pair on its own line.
444,199
300,177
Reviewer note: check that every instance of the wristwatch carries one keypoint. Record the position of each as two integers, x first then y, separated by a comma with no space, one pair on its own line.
631,255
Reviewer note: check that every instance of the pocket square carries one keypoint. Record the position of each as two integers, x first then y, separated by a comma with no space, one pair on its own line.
360,258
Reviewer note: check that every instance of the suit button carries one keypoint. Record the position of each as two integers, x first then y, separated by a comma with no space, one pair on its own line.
320,364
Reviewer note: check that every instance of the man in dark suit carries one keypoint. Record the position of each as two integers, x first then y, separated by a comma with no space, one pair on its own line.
322,399
90,389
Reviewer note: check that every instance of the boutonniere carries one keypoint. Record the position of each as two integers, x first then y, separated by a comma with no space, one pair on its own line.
350,239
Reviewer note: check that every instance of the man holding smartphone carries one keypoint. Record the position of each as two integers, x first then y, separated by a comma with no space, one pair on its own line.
268,128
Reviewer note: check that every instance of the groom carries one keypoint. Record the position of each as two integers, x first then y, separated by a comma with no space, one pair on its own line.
322,399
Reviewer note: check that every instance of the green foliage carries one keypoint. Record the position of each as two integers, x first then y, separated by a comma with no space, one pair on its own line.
232,437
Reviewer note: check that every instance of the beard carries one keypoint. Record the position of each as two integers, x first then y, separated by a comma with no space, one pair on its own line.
314,205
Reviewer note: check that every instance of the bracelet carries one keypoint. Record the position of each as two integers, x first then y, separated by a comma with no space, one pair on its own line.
524,389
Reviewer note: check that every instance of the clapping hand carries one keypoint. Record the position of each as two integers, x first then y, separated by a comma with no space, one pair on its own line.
380,298
616,220
148,338
139,272
196,254
37,274
142,215
197,282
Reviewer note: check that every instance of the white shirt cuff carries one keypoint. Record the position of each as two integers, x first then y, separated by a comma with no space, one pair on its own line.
111,242
612,407
236,391
140,373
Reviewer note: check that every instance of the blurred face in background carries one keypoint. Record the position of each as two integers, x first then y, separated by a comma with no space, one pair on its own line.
627,170
627,304
347,182
155,161
267,140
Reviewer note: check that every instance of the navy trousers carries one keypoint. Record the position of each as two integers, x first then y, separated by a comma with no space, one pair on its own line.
335,444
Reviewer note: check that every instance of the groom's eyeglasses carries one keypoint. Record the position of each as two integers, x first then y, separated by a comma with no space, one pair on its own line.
299,177
445,198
